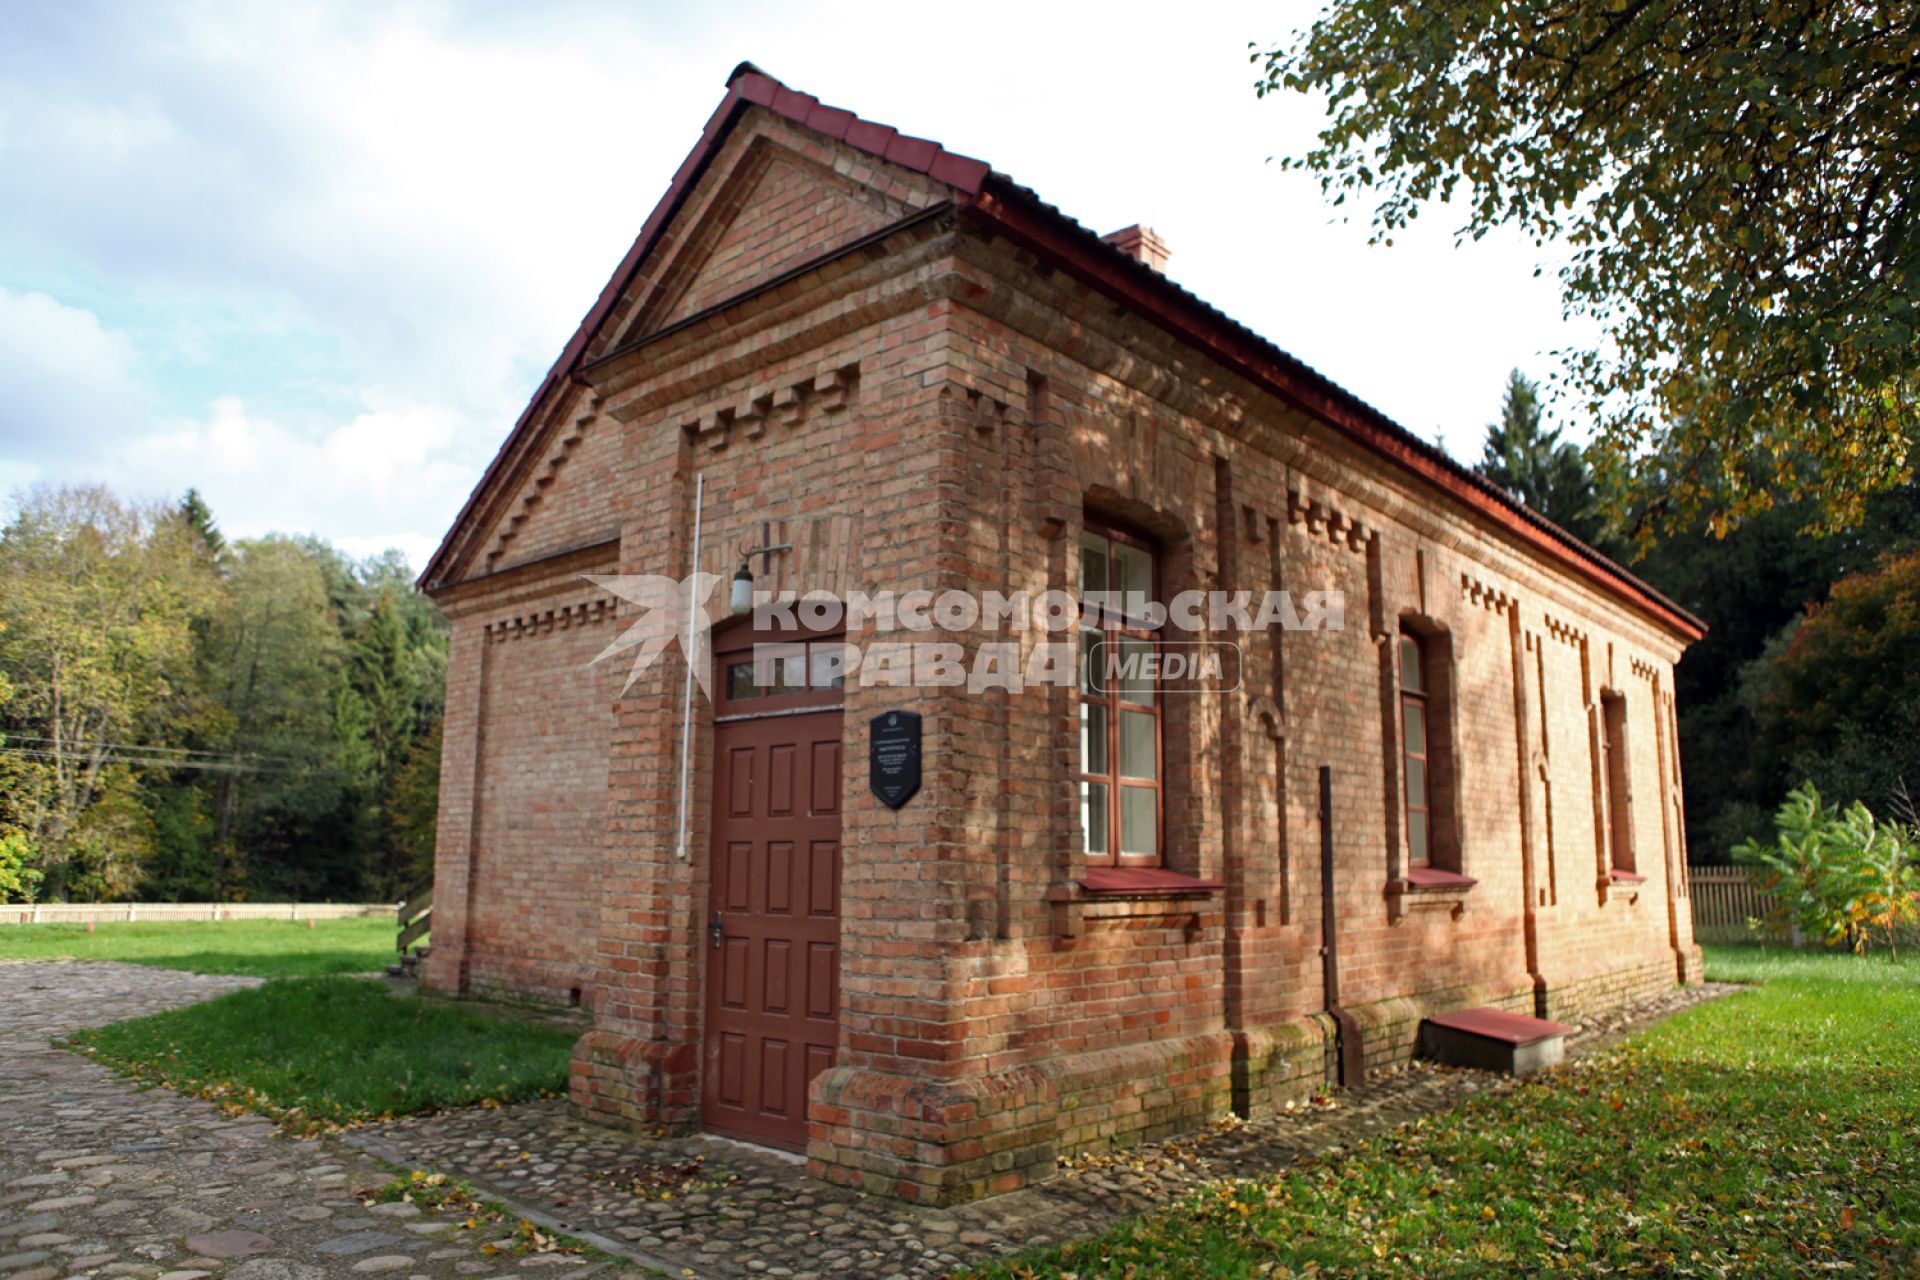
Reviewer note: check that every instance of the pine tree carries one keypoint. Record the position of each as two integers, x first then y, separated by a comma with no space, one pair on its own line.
199,517
1529,460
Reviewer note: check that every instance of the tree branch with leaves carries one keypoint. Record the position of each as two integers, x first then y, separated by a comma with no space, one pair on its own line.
1736,184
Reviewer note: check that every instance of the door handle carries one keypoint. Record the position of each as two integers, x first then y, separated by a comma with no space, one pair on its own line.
713,931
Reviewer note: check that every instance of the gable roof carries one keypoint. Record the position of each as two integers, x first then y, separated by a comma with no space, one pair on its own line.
1018,213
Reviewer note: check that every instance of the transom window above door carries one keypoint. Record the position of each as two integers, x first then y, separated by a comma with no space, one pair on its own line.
1121,757
761,673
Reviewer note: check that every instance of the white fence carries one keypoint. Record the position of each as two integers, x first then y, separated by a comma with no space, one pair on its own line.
111,912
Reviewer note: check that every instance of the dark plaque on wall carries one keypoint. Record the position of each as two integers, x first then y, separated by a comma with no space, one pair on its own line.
893,756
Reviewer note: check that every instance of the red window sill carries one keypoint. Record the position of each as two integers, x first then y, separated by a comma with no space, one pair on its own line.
1144,882
1626,877
1434,878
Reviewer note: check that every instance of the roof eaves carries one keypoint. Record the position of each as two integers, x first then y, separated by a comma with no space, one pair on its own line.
1183,313
1161,299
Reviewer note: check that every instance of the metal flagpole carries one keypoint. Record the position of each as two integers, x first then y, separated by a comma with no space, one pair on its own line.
686,706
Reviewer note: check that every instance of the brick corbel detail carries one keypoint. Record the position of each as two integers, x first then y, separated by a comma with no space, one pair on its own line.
1317,516
1485,595
543,621
791,406
569,437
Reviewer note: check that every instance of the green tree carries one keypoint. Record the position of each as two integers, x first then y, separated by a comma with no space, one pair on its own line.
199,517
99,606
332,673
397,676
1750,586
18,877
412,809
1736,186
1529,460
275,660
1840,701
193,718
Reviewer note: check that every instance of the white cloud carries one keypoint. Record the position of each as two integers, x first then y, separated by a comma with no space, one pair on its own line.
416,547
379,446
386,181
261,475
73,408
65,378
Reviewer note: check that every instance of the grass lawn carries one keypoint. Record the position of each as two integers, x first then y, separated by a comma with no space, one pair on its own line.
321,1052
1772,1133
261,948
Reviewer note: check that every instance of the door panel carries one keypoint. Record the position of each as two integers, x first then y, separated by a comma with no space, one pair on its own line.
773,971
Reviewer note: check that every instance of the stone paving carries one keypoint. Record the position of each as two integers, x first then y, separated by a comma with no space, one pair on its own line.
708,1207
101,1178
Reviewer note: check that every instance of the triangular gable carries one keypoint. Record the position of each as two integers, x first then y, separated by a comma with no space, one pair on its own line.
731,191
775,210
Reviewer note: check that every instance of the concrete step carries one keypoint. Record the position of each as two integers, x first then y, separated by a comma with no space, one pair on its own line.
1494,1040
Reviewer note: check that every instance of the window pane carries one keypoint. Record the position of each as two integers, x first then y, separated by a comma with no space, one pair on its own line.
1132,578
1417,838
1093,815
1416,724
1138,743
1413,676
740,681
780,668
1139,820
827,665
1416,781
1093,563
1093,737
1092,679
1135,681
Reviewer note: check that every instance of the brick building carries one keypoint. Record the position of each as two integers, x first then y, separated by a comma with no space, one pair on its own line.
1105,915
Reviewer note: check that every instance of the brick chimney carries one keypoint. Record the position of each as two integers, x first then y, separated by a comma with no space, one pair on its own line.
1143,243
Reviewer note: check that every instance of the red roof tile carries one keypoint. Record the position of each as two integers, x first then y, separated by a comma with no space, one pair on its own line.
831,121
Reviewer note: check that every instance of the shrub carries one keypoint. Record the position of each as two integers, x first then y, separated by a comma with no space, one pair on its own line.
1839,875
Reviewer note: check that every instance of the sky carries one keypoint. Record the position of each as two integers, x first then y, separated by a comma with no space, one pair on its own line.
313,258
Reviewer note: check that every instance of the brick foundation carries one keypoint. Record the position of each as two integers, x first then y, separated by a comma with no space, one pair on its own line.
946,1142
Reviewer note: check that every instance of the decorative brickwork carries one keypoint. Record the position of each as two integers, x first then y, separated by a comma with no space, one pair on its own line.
889,361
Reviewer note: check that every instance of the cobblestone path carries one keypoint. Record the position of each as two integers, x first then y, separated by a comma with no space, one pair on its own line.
740,1211
101,1178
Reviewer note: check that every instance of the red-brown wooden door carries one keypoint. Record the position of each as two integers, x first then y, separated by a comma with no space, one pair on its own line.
773,939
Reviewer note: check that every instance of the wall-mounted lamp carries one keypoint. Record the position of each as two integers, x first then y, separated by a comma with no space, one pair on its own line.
740,598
